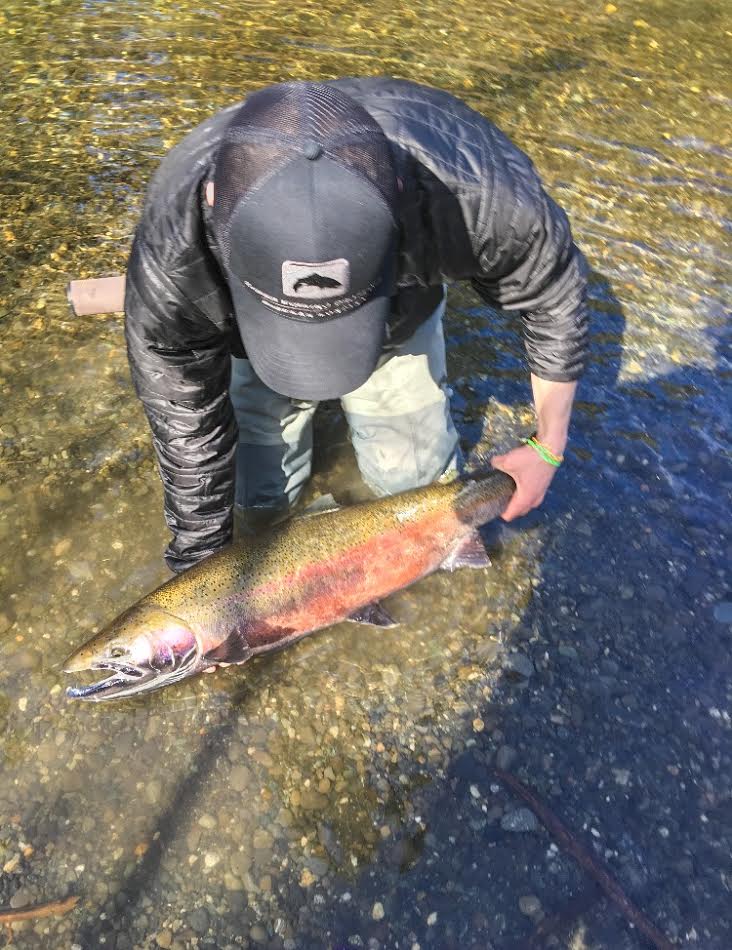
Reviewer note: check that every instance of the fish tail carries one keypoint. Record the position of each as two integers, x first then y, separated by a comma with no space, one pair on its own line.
484,496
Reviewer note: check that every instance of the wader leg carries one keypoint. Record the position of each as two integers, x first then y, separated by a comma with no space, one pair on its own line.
400,422
275,447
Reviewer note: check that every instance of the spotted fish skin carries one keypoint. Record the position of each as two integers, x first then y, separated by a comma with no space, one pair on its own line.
263,593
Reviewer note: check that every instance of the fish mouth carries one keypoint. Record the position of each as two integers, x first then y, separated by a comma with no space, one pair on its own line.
125,680
128,680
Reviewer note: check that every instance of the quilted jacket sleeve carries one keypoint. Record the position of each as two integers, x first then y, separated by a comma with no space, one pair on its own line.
530,263
181,369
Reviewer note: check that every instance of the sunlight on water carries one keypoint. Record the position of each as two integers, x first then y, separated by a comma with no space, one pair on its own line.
228,806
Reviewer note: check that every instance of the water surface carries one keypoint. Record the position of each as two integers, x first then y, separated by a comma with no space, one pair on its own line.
338,794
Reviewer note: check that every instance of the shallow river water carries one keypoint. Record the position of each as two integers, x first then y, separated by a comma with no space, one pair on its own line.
340,794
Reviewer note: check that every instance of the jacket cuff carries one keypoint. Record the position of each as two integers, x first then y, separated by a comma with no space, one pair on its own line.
179,561
559,376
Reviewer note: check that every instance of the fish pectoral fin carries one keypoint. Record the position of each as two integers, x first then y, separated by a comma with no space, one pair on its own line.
470,552
233,649
374,615
320,505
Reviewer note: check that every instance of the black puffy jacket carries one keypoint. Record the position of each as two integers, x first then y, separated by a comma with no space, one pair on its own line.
472,208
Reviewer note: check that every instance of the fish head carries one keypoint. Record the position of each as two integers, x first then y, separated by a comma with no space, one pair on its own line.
144,648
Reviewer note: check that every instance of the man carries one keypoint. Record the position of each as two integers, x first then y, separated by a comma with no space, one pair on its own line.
296,248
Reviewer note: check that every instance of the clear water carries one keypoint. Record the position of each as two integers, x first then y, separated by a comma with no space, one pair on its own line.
279,803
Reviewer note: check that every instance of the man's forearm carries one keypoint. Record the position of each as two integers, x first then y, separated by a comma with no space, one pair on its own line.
553,403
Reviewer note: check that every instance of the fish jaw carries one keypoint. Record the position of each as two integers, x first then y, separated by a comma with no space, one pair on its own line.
143,649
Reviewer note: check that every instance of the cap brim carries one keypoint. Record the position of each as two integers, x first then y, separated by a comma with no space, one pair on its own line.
311,360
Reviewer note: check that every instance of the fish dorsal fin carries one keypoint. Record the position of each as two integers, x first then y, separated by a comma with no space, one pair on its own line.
374,615
478,458
470,552
321,505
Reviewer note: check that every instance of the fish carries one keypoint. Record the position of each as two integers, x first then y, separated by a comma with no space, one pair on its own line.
316,280
265,592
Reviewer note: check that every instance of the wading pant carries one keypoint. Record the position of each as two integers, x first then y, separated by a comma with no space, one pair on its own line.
399,421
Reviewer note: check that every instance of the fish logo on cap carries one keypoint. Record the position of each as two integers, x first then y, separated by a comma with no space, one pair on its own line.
321,280
315,280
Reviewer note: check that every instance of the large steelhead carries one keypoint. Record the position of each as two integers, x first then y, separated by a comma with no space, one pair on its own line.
263,593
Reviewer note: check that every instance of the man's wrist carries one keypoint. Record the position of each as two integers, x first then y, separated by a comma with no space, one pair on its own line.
553,405
556,442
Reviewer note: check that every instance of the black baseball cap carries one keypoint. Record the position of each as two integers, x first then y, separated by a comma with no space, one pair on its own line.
305,215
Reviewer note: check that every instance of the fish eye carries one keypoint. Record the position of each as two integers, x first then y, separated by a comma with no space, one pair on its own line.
117,652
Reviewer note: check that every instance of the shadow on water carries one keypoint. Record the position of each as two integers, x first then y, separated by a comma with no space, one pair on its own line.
612,640
171,824
611,712
606,701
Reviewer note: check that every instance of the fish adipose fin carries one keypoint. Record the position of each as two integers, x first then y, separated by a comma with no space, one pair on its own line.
470,552
373,614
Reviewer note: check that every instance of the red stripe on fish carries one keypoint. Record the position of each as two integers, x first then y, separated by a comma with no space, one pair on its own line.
320,594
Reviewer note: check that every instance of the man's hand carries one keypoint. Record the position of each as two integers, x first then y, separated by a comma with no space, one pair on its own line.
532,476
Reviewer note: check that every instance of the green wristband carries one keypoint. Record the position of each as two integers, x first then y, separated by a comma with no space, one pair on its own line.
543,452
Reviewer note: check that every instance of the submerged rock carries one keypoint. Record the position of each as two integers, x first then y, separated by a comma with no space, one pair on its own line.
522,819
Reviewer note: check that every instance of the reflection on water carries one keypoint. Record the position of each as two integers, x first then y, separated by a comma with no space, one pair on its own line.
286,803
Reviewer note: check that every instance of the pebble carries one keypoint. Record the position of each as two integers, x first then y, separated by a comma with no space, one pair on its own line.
530,905
46,752
284,818
258,934
198,920
22,897
164,939
207,821
62,547
505,757
81,570
723,612
262,839
152,791
311,800
265,884
522,819
240,778
432,919
238,903
240,862
377,911
211,859
328,838
519,663
319,866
